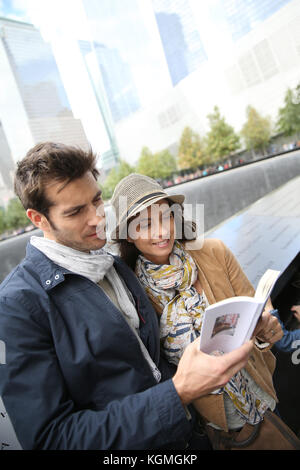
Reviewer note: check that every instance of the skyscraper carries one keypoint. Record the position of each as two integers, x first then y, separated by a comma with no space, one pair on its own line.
117,79
6,169
180,38
110,27
6,161
244,15
29,62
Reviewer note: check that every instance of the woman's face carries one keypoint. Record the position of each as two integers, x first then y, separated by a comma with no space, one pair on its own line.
153,232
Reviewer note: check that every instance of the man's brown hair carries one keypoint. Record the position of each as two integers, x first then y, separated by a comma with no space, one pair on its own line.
49,161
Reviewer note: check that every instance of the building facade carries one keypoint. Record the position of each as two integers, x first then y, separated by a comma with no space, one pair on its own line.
7,168
157,66
253,56
243,16
35,106
180,38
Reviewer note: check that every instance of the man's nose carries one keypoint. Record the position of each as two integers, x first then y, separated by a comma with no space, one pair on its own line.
95,216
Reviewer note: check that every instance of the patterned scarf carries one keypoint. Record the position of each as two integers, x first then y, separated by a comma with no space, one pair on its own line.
170,286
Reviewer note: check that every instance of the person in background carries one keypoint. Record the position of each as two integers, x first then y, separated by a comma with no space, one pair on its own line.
291,338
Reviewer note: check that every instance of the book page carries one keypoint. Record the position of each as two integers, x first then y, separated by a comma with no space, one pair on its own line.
266,284
226,325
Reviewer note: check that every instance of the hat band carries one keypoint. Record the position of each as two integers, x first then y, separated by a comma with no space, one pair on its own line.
140,201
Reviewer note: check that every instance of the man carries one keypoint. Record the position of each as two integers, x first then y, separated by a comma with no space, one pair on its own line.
83,367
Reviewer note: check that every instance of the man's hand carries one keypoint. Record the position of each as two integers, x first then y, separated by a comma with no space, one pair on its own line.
199,374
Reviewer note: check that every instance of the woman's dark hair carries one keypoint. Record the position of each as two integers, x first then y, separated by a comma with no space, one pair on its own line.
47,162
128,251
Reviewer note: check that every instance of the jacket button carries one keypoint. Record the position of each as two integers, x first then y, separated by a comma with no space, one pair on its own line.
56,277
48,282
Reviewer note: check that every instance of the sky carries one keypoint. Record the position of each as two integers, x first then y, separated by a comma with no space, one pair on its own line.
14,9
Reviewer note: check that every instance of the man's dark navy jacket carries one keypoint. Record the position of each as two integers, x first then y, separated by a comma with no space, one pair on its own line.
75,377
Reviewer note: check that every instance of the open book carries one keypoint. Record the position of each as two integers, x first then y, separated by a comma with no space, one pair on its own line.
229,323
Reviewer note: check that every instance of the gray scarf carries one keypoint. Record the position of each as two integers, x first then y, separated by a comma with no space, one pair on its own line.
95,265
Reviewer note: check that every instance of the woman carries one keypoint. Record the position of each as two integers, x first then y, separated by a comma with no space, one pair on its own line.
181,283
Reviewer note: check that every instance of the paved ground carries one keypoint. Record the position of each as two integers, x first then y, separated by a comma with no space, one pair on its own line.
266,235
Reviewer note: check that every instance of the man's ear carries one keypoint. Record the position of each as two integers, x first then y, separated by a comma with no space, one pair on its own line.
38,219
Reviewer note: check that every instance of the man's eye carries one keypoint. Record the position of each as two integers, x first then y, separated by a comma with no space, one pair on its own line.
74,213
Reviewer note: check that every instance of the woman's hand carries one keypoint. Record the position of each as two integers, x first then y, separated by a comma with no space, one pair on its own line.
268,328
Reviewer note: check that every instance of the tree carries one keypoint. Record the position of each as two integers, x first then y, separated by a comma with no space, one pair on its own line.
190,152
2,220
164,163
145,164
15,215
115,175
221,140
288,120
256,131
159,165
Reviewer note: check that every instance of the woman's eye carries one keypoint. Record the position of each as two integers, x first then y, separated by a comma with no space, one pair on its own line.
167,216
145,225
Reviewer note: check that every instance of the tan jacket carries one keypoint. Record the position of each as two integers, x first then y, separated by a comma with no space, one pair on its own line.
221,277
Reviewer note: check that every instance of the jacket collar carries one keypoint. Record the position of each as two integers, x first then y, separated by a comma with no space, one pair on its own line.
50,273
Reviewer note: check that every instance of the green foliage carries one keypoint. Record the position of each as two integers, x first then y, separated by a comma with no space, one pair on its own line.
145,164
115,175
159,165
2,220
190,152
257,130
15,215
288,120
221,140
165,164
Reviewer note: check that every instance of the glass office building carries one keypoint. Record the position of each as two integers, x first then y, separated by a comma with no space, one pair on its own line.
244,15
113,33
39,85
117,79
180,38
6,162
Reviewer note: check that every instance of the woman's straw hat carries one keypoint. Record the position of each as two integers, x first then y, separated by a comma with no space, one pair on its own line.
135,193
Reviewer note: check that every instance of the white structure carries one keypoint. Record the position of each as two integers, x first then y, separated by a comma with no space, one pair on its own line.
251,50
254,69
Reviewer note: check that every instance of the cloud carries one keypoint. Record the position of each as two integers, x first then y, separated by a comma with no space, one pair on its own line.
15,9
20,5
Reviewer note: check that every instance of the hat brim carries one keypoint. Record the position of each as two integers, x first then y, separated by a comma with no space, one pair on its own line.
177,198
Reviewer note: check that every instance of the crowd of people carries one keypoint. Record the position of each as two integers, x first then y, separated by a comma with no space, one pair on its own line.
188,175
198,173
